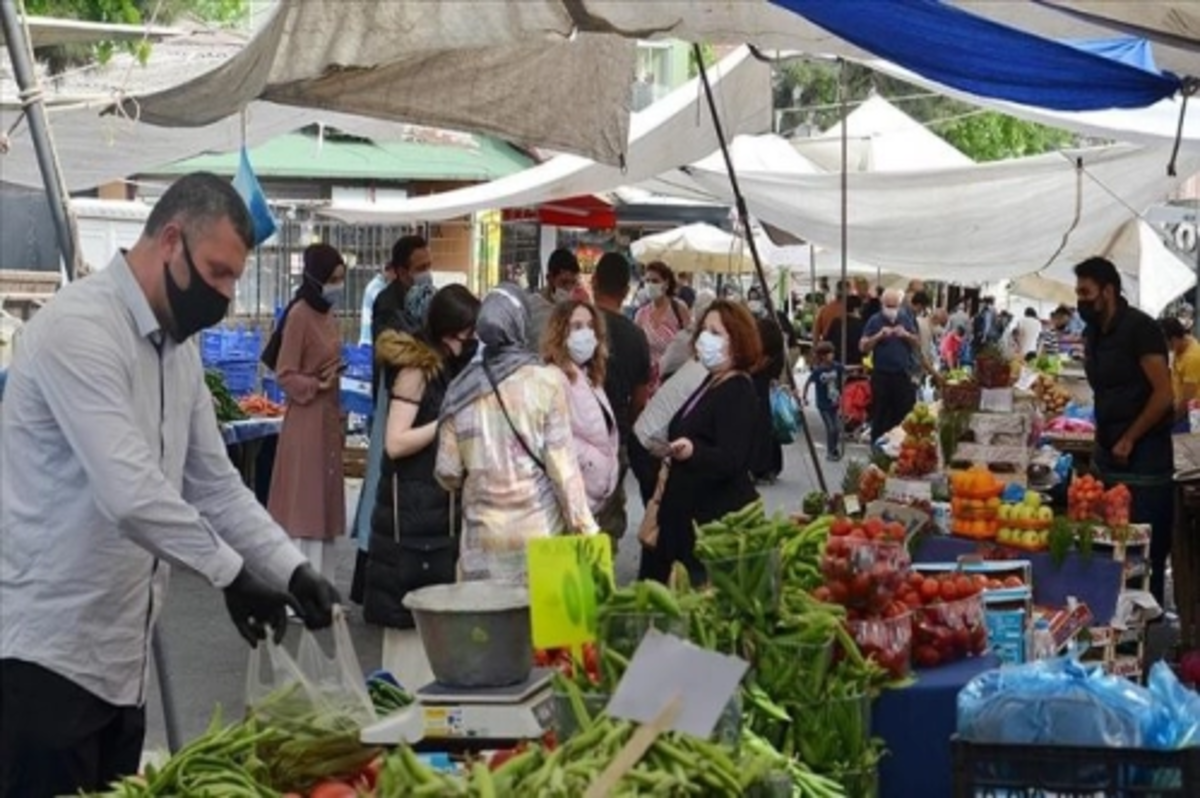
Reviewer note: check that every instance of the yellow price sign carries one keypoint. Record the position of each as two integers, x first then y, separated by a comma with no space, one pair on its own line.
562,587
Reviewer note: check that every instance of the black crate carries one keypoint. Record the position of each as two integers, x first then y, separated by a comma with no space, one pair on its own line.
984,770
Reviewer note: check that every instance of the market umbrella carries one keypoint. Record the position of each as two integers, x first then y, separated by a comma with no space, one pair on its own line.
695,248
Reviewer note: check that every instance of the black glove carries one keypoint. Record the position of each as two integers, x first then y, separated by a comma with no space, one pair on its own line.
313,597
254,605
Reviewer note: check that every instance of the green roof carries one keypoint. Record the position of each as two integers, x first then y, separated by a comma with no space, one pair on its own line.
301,155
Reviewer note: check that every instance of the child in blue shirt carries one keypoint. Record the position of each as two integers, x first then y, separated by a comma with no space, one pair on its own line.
827,376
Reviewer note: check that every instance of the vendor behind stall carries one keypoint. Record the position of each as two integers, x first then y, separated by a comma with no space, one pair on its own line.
1185,368
1125,357
112,468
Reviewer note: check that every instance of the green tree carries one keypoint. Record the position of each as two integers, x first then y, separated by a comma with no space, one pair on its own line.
127,12
807,94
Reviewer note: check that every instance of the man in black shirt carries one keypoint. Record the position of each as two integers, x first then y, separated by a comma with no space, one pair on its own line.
627,379
1125,357
410,263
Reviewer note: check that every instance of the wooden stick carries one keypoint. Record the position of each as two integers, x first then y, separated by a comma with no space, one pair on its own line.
628,757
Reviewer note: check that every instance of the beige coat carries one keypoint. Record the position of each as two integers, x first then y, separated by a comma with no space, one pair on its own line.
308,492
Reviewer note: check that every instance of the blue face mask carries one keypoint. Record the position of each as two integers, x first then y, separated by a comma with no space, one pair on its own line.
711,349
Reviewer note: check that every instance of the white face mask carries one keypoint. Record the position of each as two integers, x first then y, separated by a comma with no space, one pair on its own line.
711,349
581,345
655,291
333,293
562,294
891,313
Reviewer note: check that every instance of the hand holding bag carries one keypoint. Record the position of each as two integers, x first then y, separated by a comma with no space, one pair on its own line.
648,531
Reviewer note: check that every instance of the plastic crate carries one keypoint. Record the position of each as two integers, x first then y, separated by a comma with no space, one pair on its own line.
358,361
356,397
985,770
220,345
241,376
271,390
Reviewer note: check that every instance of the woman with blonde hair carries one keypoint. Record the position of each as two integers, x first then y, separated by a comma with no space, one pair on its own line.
574,343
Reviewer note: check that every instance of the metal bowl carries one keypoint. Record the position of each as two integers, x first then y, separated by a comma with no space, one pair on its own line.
476,634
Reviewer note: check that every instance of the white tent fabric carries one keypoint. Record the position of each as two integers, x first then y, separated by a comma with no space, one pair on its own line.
512,69
696,248
764,153
880,138
973,224
672,132
1151,275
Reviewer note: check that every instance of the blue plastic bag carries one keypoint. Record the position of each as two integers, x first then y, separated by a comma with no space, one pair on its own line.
785,414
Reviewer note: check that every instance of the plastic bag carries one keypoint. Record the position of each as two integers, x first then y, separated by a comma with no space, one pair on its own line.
785,415
1184,703
1062,702
320,702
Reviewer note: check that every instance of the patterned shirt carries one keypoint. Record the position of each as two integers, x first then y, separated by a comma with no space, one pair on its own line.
507,497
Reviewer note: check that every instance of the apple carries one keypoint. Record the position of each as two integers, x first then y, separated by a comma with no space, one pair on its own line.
1045,514
1005,512
1044,537
1031,538
1003,535
1033,499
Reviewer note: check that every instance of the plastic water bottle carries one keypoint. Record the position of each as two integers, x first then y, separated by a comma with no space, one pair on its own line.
1043,641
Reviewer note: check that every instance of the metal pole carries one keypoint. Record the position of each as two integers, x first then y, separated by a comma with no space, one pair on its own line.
170,717
1196,288
842,293
744,218
20,51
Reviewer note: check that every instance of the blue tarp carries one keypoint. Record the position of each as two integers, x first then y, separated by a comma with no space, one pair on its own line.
1126,49
985,58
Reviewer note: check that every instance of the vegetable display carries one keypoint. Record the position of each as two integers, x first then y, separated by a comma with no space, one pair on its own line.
226,406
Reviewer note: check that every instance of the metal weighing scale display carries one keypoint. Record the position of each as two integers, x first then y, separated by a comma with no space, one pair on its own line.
449,718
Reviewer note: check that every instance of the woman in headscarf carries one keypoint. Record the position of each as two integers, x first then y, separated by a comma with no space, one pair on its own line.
307,485
415,523
506,441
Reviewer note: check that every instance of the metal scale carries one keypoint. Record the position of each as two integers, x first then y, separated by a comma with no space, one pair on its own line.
445,719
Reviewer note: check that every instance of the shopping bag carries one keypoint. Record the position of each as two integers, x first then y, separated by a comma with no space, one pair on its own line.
651,425
316,703
785,415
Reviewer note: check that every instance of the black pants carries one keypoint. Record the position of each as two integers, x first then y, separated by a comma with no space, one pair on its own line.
56,738
644,467
892,398
1155,505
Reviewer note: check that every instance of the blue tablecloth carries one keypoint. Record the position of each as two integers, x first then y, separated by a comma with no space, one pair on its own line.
236,432
916,724
1096,582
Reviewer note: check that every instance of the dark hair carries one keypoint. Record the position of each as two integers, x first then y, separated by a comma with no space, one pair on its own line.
824,348
1061,310
562,260
612,275
1100,271
1031,313
920,299
452,310
403,249
853,302
664,271
745,344
1172,329
198,200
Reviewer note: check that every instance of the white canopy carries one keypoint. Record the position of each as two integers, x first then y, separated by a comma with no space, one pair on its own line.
880,138
973,224
1152,276
674,131
696,248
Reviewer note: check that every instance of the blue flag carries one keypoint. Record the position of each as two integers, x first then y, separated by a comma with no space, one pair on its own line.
246,183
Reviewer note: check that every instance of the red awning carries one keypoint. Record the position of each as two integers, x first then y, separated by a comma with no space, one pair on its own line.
588,212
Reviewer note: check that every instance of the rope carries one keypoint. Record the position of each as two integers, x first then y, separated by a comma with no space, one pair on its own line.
1187,89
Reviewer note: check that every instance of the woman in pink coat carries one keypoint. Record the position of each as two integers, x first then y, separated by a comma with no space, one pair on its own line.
307,485
574,343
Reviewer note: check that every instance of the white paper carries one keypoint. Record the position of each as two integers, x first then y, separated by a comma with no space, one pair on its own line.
996,400
664,666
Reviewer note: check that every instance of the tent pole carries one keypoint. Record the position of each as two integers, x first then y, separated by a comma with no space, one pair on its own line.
843,291
744,218
20,50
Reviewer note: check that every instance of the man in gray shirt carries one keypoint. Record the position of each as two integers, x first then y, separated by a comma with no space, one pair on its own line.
112,468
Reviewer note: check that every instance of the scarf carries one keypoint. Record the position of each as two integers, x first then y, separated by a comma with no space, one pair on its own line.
502,329
320,262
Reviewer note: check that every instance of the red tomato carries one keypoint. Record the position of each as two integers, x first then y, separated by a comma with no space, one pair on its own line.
895,531
857,534
965,586
926,656
895,609
500,757
1013,581
949,592
840,527
838,592
930,590
873,526
823,594
333,789
912,600
369,775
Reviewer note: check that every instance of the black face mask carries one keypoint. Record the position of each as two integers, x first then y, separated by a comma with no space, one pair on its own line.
197,307
1089,312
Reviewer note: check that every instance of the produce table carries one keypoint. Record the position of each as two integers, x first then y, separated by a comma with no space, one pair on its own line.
245,439
916,724
1096,582
1078,445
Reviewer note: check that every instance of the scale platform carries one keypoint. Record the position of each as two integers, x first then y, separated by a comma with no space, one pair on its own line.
450,718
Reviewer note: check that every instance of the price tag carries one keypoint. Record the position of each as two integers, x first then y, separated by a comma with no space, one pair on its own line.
562,589
851,505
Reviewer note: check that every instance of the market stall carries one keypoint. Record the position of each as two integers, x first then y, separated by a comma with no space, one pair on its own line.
1185,551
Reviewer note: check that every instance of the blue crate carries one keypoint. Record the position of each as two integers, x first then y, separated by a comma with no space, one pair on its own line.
241,376
356,397
271,390
358,361
222,345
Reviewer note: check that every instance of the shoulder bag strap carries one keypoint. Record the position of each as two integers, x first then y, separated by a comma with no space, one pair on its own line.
504,409
395,509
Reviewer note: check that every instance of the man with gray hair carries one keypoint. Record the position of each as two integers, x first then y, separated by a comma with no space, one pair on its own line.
890,337
112,469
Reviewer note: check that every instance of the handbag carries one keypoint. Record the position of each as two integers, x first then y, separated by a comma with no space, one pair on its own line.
648,531
785,416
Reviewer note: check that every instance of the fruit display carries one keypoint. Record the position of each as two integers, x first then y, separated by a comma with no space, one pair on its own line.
1025,524
1085,497
1052,397
975,503
864,566
918,453
949,625
961,395
1118,503
992,369
260,406
887,641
